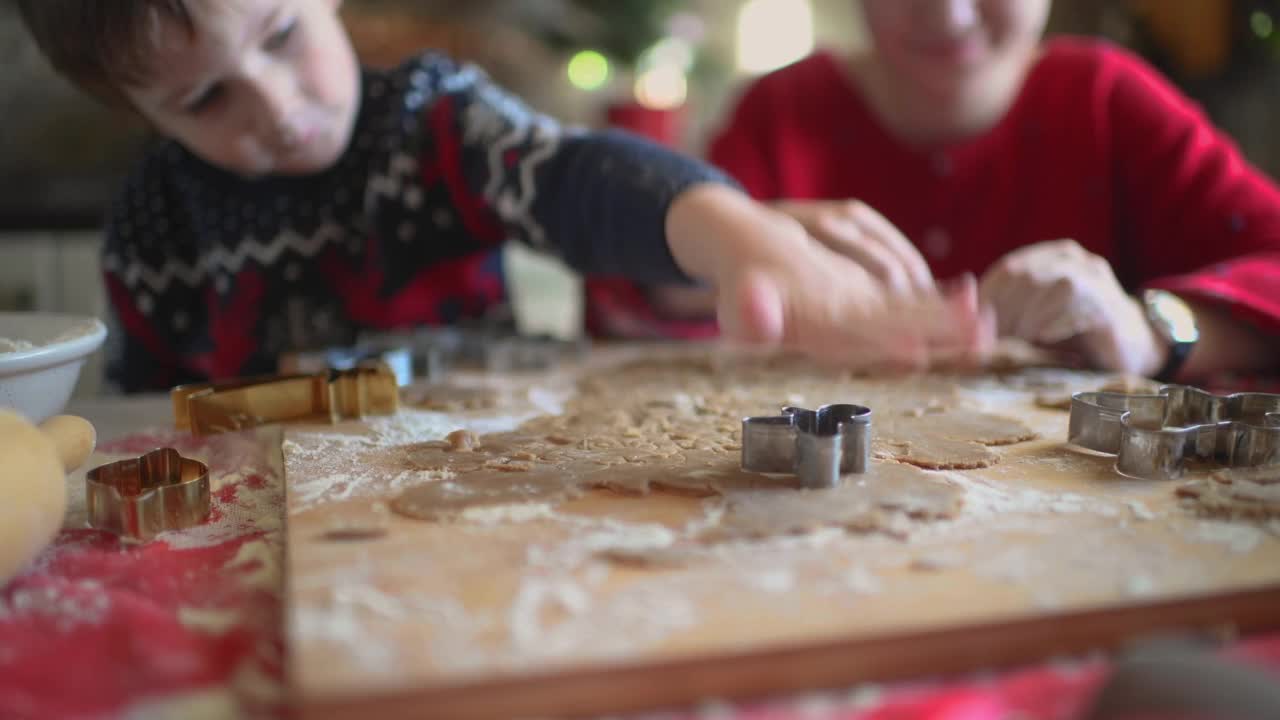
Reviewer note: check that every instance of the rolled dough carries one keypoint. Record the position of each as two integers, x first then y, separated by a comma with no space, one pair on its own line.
675,426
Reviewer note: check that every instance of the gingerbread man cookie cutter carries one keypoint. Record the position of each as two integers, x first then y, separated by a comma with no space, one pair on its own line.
1154,436
142,497
818,446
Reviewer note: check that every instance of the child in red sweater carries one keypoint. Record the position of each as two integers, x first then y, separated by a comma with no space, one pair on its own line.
1086,193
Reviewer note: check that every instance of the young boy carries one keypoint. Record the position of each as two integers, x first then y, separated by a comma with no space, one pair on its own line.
1100,208
298,199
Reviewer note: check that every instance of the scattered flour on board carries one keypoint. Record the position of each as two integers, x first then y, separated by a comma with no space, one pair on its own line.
338,474
554,616
862,581
776,580
1139,510
1240,538
503,514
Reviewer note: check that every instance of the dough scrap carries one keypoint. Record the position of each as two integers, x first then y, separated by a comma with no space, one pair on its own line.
453,398
1237,493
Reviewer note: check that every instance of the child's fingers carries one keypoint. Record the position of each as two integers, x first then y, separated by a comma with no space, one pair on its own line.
878,228
996,290
964,332
752,312
843,236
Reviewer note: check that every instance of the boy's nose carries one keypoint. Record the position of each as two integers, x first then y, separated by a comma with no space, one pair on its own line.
277,108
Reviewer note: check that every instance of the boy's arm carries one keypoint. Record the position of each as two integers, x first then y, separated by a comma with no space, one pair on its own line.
599,200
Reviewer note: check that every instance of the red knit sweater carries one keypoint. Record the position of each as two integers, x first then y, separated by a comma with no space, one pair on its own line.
1098,147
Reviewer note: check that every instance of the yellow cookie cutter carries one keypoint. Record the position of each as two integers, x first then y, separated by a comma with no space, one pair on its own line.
329,396
142,497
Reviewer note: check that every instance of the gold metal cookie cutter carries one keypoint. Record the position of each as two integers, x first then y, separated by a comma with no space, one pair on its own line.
1153,436
818,446
328,396
142,497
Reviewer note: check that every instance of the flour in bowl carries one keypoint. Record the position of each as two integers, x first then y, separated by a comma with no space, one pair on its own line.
8,345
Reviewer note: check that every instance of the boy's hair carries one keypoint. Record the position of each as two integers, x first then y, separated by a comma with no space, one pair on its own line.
102,45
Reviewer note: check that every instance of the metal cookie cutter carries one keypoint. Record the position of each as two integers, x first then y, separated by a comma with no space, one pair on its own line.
330,396
142,497
1152,436
398,358
816,445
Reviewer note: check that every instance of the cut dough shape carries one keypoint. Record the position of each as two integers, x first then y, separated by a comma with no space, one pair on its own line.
1237,492
947,440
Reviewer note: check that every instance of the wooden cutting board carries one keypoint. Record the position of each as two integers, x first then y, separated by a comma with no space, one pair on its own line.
516,611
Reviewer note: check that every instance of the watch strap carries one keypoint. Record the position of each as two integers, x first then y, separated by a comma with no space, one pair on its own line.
1178,352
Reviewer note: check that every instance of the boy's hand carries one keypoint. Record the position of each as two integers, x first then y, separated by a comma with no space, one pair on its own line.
776,285
855,230
1059,294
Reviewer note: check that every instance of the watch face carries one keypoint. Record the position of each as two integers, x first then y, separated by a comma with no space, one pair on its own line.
1173,313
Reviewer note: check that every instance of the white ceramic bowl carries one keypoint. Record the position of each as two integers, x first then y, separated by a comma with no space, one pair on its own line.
41,355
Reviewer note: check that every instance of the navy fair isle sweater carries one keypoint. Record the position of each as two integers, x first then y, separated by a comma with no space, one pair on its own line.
211,275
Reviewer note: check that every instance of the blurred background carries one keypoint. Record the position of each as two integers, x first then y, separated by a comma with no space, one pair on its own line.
664,68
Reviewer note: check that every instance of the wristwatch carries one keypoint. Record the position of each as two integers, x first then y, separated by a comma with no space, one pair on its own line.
1175,324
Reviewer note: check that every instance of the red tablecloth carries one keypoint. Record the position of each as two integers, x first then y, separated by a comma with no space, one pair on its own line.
191,623
96,628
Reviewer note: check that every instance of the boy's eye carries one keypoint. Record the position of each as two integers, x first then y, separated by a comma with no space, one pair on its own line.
205,99
280,38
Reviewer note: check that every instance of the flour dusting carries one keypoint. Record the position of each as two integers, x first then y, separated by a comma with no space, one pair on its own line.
82,602
9,345
1239,537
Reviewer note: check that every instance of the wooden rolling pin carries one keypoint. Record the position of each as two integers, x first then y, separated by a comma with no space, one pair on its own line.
34,462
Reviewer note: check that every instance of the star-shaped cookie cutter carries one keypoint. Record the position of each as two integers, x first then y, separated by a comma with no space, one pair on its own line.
1153,436
142,497
328,396
818,446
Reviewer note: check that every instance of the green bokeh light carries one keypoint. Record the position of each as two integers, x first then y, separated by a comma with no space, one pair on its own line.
1262,24
588,70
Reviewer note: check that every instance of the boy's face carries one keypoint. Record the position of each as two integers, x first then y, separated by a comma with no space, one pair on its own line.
952,49
263,86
